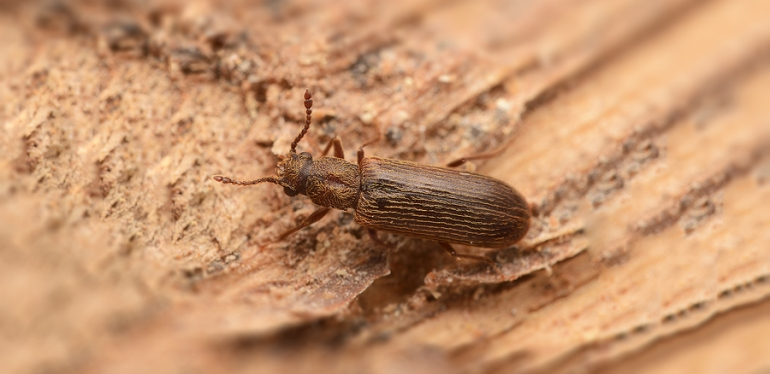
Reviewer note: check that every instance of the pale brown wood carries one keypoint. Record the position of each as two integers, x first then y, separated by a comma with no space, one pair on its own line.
637,131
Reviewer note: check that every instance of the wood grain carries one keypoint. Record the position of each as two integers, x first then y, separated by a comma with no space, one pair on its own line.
639,130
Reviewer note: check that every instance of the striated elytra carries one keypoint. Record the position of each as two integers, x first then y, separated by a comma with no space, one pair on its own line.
439,204
405,198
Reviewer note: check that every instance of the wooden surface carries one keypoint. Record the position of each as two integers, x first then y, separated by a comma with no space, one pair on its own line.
640,131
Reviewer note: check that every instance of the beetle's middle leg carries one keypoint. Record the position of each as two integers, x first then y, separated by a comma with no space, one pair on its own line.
371,141
337,143
311,219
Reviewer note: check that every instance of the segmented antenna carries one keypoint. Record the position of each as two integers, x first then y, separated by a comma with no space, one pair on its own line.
227,180
308,112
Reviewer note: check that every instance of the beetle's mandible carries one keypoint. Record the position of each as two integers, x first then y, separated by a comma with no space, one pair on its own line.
444,205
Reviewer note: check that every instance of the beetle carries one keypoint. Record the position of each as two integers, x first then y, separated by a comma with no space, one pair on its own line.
444,205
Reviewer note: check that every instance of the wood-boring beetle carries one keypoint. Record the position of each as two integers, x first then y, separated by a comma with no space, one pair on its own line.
405,198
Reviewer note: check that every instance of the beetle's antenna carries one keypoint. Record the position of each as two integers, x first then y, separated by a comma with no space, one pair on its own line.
308,112
227,180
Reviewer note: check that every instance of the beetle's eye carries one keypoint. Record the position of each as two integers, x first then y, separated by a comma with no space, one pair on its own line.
306,155
289,192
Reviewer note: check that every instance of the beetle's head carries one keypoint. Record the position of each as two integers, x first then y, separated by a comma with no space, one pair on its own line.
292,172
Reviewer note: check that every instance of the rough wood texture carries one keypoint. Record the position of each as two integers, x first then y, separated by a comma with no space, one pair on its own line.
640,130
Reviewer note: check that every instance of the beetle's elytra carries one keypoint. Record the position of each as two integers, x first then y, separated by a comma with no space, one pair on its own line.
405,198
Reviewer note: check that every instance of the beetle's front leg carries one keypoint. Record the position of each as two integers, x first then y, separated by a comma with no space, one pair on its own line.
337,143
311,219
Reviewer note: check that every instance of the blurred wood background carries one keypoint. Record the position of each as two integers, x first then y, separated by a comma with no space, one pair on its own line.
641,129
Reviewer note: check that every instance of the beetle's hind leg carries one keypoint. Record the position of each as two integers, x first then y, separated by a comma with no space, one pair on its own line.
311,219
376,239
451,251
448,248
478,156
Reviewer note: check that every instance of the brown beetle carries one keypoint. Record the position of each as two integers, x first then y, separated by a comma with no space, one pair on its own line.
401,197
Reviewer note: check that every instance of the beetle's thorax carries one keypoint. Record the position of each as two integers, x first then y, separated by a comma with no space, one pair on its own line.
328,181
